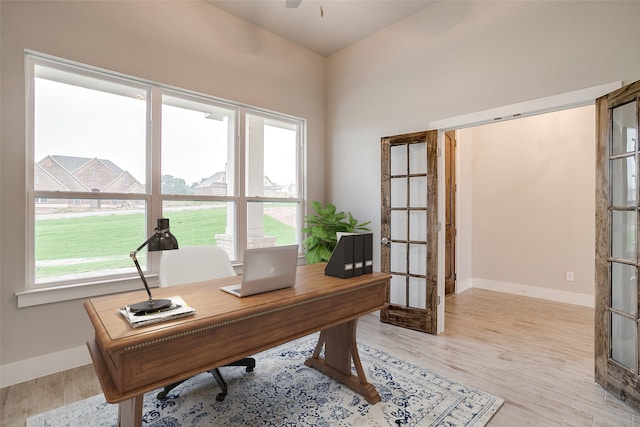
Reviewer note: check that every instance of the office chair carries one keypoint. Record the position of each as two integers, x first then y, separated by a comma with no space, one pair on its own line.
195,264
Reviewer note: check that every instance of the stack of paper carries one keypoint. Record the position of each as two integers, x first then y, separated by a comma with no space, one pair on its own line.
177,309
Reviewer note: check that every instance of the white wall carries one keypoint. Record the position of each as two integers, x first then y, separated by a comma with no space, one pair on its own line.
455,58
191,45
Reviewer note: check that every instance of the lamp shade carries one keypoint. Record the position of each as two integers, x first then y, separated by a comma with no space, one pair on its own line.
163,240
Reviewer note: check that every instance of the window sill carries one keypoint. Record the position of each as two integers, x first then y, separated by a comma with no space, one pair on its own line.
33,297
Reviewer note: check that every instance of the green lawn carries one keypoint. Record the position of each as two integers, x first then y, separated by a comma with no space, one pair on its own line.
101,242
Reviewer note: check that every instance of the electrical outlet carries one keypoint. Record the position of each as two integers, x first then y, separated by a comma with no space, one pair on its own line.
568,276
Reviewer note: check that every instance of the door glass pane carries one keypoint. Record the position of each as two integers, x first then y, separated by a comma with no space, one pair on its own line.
417,292
624,132
623,341
398,192
398,160
397,290
418,192
623,181
623,235
624,280
418,158
399,225
398,261
197,148
418,259
418,227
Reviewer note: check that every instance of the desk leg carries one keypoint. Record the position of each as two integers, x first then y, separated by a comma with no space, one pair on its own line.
340,349
130,412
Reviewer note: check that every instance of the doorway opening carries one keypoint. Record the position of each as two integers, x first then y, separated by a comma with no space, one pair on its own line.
498,193
526,200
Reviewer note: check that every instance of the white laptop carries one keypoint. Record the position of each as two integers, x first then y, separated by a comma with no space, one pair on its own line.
266,269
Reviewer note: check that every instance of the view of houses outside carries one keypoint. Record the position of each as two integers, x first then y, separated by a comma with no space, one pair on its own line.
80,174
90,142
122,221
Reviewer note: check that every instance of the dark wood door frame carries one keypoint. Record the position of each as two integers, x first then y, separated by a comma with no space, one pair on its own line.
450,212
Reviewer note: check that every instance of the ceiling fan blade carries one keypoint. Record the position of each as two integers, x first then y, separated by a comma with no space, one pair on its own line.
292,3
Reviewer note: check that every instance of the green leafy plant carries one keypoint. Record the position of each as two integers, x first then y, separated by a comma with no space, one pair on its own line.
323,228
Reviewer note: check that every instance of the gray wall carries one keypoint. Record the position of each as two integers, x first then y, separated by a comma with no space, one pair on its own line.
190,45
457,58
449,59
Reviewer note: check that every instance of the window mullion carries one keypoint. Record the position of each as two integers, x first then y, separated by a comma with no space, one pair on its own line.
154,169
241,205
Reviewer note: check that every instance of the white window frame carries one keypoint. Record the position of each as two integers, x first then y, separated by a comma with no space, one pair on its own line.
83,288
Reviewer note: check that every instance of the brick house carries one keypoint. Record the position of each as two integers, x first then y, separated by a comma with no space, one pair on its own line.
81,174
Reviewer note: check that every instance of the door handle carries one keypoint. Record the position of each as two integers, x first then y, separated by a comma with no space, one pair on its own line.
385,241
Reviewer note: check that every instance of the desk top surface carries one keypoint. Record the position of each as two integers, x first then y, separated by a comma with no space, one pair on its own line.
213,305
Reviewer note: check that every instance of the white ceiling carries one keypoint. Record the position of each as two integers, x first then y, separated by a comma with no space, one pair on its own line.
344,21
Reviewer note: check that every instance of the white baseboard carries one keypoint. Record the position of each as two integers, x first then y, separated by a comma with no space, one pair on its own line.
463,285
535,292
25,370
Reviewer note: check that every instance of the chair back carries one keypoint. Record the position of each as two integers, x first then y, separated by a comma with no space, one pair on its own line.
194,264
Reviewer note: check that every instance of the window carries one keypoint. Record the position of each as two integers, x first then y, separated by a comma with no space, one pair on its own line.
272,179
103,171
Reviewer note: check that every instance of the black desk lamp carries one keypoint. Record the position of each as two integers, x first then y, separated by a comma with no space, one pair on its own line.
162,240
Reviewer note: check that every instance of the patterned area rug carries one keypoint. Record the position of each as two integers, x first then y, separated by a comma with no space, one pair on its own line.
282,391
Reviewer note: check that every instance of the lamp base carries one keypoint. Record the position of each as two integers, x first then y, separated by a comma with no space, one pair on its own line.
150,306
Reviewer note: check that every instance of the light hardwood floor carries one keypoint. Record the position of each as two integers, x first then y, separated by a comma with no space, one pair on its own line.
537,355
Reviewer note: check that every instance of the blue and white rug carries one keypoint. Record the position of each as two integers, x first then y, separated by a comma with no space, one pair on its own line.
282,391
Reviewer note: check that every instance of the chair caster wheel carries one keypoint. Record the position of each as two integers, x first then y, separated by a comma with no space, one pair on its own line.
162,395
220,397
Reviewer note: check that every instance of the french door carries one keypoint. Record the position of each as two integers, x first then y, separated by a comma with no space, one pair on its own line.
617,335
409,229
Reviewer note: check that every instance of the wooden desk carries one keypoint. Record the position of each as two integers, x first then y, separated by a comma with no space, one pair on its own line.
130,362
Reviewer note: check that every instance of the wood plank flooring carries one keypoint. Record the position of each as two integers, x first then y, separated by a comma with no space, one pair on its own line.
537,355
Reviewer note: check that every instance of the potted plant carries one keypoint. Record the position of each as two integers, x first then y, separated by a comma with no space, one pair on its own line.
323,228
